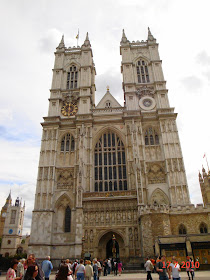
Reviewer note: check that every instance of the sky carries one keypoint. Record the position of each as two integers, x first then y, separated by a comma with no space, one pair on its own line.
30,33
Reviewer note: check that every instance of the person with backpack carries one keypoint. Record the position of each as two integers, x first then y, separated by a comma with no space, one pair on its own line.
149,268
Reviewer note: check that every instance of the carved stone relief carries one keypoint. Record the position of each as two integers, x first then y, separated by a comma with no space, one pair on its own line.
156,173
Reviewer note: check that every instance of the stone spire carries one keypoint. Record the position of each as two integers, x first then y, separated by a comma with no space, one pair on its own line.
8,201
124,39
87,41
150,36
61,45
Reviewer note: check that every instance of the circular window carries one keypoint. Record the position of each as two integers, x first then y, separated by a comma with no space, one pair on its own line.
147,103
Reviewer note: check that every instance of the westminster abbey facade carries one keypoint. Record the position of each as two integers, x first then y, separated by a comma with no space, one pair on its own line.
106,169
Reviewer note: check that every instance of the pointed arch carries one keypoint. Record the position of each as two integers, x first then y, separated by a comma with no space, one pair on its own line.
203,228
182,230
67,143
159,197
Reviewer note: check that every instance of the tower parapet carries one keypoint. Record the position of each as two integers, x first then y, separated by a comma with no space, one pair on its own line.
204,180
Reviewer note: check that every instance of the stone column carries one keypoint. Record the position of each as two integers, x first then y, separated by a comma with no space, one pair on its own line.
189,247
157,248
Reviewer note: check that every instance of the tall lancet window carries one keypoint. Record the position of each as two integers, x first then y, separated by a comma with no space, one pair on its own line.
110,164
67,227
142,72
151,137
67,143
72,77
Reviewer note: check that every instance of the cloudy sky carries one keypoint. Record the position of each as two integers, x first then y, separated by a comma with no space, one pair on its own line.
30,32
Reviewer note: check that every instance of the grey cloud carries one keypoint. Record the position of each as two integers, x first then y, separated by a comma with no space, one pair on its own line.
203,58
49,41
192,83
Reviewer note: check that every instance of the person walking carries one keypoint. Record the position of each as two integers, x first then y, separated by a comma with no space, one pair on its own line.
80,270
88,271
95,269
11,274
161,268
31,272
149,268
109,266
20,268
47,267
174,268
119,266
190,268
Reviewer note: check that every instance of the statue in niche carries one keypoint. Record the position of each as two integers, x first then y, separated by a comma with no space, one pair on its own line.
130,234
86,218
124,217
86,235
107,217
96,217
129,216
118,216
102,217
113,217
91,236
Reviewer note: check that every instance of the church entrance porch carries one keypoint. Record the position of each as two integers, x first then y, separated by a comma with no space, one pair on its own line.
105,246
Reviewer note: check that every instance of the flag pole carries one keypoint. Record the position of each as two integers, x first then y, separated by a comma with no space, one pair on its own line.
207,163
78,38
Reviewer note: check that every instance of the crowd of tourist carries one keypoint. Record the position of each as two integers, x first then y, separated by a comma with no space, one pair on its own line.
168,270
30,269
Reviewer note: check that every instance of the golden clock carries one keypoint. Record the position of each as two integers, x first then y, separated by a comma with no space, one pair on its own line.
69,109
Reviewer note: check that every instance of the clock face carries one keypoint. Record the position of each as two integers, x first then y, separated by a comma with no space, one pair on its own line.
4,214
10,231
69,109
147,102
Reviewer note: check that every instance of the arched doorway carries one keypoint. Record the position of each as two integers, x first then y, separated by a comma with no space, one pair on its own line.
105,245
109,247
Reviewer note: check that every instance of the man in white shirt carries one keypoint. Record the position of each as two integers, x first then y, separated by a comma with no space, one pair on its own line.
174,267
148,265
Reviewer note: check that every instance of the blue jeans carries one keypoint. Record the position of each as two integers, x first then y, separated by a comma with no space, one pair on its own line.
177,278
163,277
80,276
95,276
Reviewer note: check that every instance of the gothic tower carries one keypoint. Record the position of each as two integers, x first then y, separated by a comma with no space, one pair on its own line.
156,149
13,227
204,181
64,158
4,213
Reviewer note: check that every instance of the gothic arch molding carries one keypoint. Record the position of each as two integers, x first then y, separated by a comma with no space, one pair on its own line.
63,134
103,233
106,129
63,198
141,57
159,197
72,62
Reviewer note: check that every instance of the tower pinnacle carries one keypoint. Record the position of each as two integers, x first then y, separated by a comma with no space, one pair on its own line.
150,36
124,39
61,45
87,41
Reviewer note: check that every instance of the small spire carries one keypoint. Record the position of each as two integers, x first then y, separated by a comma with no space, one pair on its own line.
150,36
124,39
61,45
87,41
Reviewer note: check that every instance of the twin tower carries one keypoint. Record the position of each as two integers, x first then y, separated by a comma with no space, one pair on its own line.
109,170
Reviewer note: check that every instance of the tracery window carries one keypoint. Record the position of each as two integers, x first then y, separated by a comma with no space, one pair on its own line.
203,228
67,227
72,77
182,230
110,164
142,72
67,143
151,137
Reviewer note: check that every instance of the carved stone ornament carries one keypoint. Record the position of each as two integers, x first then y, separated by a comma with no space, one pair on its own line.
156,173
145,91
65,179
70,97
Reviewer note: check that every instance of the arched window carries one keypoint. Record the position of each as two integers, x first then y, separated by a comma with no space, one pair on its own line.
151,137
203,228
67,227
110,164
72,77
108,104
67,143
182,230
142,72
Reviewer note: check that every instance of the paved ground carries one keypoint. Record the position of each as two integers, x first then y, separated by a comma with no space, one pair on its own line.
199,275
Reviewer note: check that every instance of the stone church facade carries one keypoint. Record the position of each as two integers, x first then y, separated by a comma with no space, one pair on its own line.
106,169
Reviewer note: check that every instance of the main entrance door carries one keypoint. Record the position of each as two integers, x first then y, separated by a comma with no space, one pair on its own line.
109,247
105,246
